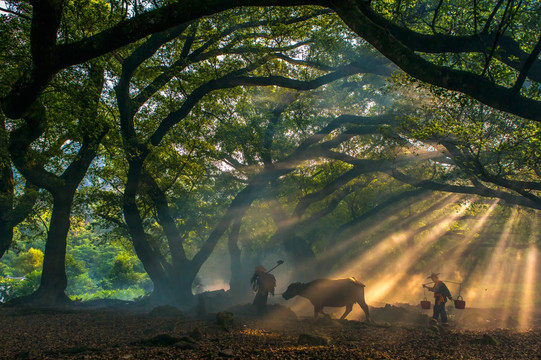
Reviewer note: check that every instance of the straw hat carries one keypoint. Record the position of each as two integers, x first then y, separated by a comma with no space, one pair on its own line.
260,269
433,275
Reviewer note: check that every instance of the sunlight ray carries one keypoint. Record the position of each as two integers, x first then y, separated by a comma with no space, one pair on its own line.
459,251
528,297
394,221
397,222
508,291
454,253
374,255
489,274
347,246
390,282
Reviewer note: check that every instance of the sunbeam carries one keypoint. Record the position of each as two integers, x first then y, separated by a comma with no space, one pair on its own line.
507,292
528,297
458,253
374,255
393,279
490,276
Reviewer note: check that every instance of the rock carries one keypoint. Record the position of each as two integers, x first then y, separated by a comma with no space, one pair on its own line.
394,314
210,302
159,340
434,328
312,340
489,340
273,311
326,321
224,319
226,353
185,345
187,339
23,355
280,312
166,311
196,334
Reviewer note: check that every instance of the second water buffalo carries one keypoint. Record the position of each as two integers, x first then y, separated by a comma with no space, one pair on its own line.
330,293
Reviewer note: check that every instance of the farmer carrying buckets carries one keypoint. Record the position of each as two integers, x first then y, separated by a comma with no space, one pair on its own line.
441,293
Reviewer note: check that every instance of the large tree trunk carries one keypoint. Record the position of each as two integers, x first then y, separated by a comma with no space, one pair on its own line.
53,279
172,282
6,237
63,187
238,283
6,191
11,215
174,290
148,256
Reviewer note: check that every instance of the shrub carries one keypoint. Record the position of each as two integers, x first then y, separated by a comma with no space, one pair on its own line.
122,274
11,288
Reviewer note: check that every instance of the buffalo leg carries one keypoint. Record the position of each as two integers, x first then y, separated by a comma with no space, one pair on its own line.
319,310
365,309
349,307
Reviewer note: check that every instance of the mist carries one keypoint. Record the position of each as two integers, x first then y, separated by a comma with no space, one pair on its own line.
395,252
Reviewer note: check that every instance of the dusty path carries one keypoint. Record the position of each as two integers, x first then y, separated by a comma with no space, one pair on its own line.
127,334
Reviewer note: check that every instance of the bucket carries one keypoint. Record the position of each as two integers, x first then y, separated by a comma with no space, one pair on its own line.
460,303
425,304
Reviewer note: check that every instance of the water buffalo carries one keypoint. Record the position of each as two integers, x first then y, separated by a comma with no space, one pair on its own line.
332,293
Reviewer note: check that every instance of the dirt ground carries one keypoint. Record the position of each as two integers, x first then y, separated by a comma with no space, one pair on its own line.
124,332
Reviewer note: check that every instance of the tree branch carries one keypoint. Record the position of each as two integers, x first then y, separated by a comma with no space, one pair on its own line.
526,68
376,31
21,15
233,80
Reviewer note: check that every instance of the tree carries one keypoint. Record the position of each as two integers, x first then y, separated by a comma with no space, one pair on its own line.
208,68
82,146
55,154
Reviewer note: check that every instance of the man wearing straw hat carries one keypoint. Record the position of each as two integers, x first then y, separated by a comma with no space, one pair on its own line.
441,293
264,283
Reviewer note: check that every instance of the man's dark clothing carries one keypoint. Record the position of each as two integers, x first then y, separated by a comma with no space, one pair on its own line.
441,293
439,310
264,283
